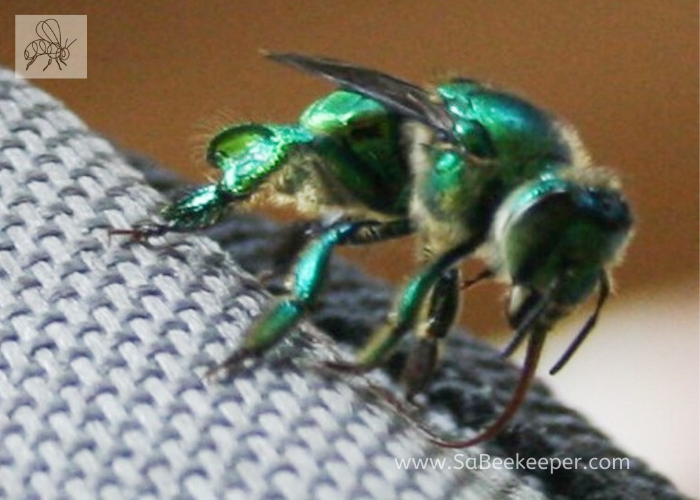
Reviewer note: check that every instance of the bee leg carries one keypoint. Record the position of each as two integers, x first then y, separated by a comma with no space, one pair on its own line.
407,310
482,276
309,277
441,313
246,155
587,327
199,208
289,244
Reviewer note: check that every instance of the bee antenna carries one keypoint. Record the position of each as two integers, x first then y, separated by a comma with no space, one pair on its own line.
514,343
587,327
524,317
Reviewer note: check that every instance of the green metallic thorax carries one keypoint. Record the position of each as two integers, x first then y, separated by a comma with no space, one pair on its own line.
509,142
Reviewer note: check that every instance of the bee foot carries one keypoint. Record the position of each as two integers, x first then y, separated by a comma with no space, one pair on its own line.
230,365
141,232
345,367
265,276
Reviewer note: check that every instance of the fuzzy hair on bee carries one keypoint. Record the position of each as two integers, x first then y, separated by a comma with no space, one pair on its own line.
472,170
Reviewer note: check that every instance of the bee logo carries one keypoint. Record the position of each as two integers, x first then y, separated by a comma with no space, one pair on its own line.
48,43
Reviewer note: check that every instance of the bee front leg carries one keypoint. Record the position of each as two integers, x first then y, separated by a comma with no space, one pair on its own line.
441,313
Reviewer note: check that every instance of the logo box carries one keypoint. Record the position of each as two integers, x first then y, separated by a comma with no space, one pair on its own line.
51,46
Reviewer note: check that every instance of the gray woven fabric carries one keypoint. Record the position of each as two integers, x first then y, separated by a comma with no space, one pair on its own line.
103,345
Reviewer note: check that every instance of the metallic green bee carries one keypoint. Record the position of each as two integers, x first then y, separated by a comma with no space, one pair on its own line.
472,170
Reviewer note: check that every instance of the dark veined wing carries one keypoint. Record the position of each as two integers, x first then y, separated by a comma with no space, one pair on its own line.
398,95
49,31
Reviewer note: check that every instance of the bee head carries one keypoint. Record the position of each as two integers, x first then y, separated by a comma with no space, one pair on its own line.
564,230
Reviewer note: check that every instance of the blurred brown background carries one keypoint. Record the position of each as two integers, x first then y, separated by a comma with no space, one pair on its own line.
626,73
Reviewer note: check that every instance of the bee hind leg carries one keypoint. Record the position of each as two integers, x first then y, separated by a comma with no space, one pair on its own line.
198,209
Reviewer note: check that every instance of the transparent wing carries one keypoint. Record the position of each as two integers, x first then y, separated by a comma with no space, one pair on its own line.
398,95
50,31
